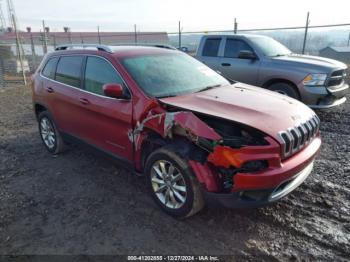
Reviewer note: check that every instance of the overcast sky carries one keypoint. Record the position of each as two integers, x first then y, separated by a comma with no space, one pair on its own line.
158,15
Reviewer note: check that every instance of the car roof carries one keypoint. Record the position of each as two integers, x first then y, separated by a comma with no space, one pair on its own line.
235,35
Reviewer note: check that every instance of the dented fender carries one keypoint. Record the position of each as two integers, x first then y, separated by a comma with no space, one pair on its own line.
187,124
166,124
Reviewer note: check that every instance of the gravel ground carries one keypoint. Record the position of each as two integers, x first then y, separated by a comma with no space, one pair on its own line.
80,202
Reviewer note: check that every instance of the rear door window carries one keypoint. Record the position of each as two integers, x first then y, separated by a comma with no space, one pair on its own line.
50,68
234,46
211,47
69,70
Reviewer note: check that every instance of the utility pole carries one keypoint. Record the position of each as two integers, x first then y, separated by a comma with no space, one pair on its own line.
236,25
98,34
2,19
135,34
18,44
44,38
306,28
349,40
11,13
180,35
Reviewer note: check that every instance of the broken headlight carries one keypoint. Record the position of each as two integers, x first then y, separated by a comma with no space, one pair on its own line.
235,135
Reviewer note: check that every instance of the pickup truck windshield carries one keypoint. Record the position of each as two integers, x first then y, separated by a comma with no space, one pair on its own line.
171,74
269,46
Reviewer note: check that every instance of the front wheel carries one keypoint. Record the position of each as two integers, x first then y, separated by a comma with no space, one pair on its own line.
285,89
49,133
172,184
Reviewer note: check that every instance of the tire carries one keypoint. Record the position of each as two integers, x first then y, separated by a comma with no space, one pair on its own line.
49,133
190,201
285,89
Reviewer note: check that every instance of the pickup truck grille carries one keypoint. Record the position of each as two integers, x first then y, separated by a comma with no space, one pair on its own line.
336,78
295,138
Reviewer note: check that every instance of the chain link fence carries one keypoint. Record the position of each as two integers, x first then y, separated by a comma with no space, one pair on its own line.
33,45
27,55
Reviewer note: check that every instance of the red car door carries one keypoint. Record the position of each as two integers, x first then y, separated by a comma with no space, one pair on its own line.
104,122
65,92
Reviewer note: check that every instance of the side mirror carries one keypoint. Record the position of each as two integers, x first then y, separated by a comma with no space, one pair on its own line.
246,54
113,90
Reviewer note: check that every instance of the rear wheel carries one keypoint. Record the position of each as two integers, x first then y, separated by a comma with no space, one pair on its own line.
285,89
172,184
49,133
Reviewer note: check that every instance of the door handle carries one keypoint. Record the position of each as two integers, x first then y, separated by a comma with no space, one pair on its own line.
226,64
50,90
84,101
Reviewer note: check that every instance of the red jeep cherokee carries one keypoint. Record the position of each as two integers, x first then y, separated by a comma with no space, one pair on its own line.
197,137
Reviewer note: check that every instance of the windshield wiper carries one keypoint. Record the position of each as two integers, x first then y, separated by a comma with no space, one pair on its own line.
208,87
203,89
165,96
277,55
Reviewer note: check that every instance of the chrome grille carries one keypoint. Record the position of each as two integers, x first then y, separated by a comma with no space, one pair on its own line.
295,138
336,78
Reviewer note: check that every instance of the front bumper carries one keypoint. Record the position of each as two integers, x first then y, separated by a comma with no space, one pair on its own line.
258,198
322,97
261,187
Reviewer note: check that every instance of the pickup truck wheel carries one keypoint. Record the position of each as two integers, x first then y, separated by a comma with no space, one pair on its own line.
285,89
172,184
49,133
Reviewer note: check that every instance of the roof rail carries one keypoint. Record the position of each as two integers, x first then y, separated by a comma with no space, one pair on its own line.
73,46
107,48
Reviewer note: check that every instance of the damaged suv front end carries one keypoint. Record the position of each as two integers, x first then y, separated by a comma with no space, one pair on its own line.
246,146
246,167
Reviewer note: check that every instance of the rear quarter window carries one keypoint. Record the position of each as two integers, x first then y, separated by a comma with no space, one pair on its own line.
211,47
50,68
69,70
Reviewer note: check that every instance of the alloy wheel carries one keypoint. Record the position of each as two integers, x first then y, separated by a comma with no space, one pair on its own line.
47,133
168,184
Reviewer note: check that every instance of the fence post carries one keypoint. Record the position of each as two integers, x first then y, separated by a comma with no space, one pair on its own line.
305,35
179,34
236,26
54,41
98,34
2,82
44,38
19,50
33,50
135,34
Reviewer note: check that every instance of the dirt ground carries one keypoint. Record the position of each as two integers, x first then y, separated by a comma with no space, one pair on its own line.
82,203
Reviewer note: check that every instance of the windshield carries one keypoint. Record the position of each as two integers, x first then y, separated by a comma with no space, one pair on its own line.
270,47
171,74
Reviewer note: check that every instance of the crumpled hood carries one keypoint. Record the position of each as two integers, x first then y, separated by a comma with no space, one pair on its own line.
308,60
267,111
